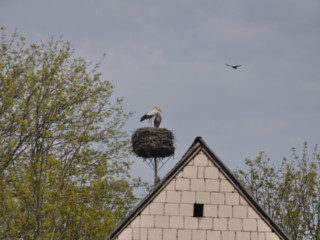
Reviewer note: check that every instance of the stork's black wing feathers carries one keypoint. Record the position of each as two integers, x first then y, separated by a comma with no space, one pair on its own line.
144,117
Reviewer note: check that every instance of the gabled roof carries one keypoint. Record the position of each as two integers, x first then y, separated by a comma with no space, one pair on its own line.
197,146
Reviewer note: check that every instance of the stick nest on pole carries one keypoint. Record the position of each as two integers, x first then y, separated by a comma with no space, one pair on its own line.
153,142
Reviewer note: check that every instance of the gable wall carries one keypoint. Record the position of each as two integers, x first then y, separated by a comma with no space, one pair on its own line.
227,215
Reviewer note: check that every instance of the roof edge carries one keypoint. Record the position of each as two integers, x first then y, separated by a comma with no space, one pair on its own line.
192,150
197,145
241,189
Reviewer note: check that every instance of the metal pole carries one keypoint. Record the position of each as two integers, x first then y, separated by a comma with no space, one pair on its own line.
156,178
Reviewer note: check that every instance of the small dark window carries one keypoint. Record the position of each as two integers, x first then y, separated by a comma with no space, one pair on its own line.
198,210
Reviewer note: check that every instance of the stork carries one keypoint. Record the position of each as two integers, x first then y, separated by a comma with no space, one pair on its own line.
156,113
157,120
233,66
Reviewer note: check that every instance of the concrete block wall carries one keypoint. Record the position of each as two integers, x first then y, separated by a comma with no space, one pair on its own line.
226,215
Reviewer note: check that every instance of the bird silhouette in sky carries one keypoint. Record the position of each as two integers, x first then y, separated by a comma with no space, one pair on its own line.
233,66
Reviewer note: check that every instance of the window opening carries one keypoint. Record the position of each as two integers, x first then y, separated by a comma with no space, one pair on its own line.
198,210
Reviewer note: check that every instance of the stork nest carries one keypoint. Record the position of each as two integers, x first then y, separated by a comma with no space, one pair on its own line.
153,142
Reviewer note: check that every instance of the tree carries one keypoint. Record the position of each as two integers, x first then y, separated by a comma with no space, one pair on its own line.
62,173
289,193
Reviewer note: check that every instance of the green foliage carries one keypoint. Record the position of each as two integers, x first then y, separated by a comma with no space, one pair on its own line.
290,193
61,145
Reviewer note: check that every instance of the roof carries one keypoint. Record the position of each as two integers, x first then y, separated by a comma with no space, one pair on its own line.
197,146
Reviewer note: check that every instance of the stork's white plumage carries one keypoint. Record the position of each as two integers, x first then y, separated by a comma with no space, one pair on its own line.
156,113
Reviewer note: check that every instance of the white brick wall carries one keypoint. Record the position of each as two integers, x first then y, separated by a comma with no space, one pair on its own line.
197,184
225,186
191,223
250,225
217,198
126,234
201,160
224,211
226,214
211,172
205,223
155,234
201,172
228,235
161,197
240,211
173,196
199,235
188,197
232,199
177,222
190,172
171,209
212,185
210,210
216,235
162,222
186,209
136,234
170,234
184,234
235,224
242,235
183,184
156,208
147,221
220,224
203,197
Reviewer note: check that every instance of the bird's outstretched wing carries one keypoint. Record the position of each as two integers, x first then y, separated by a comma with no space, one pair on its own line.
233,66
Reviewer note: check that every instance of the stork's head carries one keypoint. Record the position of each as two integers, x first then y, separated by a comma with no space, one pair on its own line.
158,109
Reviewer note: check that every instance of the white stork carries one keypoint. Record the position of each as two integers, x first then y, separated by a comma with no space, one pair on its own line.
156,113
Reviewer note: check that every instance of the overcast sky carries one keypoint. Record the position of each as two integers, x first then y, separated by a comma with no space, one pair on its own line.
172,54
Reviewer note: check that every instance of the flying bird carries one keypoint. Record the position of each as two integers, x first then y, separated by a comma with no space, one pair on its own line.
156,113
233,66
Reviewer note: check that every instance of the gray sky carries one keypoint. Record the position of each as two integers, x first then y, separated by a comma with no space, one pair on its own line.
173,53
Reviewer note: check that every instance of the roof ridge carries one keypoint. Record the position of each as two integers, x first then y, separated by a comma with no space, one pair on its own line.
198,145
